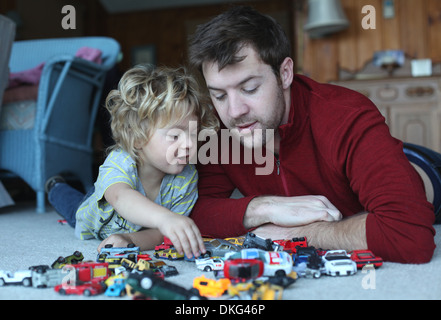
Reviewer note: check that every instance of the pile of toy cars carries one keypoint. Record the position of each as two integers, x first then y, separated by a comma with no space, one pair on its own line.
248,267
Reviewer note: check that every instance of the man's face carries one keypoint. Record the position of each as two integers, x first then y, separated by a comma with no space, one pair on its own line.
247,96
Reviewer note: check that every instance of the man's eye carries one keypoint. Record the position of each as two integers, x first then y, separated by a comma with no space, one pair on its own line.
250,91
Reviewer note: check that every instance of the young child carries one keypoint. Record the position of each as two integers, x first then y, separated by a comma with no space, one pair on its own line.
146,187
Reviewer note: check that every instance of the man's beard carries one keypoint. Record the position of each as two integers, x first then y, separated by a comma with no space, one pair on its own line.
266,128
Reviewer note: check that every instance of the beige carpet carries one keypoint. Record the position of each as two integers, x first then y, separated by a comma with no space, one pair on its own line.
27,239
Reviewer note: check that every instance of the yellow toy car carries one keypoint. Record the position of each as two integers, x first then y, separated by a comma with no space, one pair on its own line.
171,254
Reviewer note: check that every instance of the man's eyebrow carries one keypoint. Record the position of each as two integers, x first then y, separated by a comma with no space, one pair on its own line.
237,85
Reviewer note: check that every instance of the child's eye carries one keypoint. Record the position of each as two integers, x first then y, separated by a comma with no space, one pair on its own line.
172,137
220,97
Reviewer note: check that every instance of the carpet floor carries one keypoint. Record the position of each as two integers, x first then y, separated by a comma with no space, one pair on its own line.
28,239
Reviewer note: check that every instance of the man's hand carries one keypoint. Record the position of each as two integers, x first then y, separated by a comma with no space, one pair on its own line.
290,211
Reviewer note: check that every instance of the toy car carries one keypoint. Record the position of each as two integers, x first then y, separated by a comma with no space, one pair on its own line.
210,264
19,277
254,241
366,257
168,271
338,263
144,256
275,263
117,288
44,278
219,247
91,271
210,287
150,286
256,290
113,254
308,263
243,269
80,288
293,244
238,241
267,291
74,258
167,244
171,254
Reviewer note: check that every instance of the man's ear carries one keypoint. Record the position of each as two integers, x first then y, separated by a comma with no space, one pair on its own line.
287,72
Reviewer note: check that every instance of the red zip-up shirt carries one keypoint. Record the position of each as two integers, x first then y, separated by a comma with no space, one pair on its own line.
335,144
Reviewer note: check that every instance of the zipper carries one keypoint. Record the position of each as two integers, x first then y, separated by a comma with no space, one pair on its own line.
282,176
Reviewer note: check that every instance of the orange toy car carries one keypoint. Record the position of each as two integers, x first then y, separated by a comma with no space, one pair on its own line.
210,287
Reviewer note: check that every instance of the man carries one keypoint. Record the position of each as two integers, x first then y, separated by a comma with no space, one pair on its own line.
333,153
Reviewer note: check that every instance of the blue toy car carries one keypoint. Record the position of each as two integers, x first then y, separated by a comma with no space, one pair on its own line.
117,288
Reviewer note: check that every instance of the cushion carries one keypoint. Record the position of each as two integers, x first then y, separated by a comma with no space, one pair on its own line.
18,115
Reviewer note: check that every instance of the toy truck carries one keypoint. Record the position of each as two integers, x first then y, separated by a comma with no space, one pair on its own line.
91,271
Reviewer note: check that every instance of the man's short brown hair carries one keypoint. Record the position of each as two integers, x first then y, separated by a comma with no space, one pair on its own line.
220,39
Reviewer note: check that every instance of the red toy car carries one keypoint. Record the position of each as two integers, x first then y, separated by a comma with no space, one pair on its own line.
291,245
243,269
80,288
167,244
365,257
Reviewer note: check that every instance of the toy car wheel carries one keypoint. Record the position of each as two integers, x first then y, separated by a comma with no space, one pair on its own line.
146,283
207,268
77,254
108,246
87,293
62,291
131,245
61,260
26,282
280,273
194,294
2,282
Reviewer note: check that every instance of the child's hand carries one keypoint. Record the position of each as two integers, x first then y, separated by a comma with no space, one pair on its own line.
184,234
117,240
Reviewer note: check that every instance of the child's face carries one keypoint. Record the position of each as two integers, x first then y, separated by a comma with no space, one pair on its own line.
169,149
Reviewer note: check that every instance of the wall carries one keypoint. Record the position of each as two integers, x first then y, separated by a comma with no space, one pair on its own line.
416,29
168,30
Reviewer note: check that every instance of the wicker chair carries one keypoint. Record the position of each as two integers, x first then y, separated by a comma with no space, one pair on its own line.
69,94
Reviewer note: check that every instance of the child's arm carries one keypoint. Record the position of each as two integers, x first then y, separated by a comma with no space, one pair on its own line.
134,207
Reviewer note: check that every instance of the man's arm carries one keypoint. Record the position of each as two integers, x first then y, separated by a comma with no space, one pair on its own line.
348,234
289,211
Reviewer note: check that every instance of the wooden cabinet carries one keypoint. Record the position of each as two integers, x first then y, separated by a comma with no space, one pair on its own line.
411,106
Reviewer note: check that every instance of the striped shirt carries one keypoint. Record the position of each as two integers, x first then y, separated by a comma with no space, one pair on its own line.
96,218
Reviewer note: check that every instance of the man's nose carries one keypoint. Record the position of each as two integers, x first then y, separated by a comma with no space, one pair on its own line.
236,106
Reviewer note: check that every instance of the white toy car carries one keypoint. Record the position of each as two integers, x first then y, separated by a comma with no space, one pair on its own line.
210,264
19,277
275,263
339,263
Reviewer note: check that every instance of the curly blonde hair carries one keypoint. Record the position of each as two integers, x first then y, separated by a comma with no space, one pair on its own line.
150,98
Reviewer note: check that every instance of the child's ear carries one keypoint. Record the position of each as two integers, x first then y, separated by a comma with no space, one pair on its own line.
138,144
